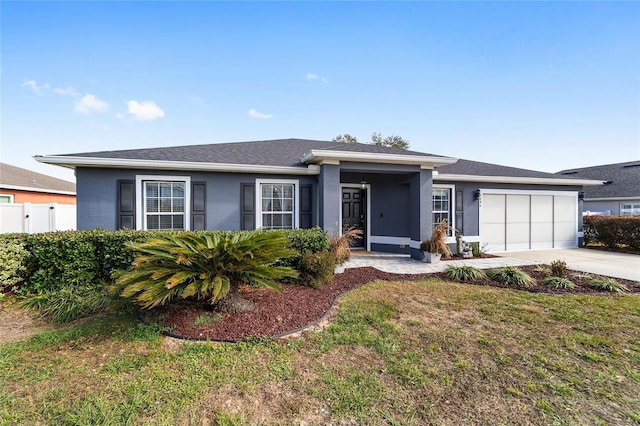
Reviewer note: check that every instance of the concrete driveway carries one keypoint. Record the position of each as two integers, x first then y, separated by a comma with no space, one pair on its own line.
619,265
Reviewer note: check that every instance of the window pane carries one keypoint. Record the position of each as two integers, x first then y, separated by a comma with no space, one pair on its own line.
178,190
152,189
277,221
287,221
178,204
152,205
266,220
266,190
287,191
178,221
165,189
153,222
165,222
165,205
287,205
4,199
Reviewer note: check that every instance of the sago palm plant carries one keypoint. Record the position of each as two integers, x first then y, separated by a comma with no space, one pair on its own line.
203,266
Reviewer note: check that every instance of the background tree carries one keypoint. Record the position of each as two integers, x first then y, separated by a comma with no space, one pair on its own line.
392,141
346,138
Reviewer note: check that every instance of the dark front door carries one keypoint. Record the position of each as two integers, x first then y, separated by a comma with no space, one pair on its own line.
354,214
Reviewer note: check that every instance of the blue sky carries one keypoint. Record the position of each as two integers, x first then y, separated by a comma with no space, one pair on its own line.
540,85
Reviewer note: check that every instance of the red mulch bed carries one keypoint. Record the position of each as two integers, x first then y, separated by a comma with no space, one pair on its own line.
297,306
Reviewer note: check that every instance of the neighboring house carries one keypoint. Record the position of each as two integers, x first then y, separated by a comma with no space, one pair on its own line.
620,195
394,196
19,185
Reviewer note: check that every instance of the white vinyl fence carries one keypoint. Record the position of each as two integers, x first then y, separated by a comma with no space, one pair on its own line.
33,218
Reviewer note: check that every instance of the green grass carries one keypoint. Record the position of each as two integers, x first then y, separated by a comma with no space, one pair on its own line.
511,276
607,284
397,353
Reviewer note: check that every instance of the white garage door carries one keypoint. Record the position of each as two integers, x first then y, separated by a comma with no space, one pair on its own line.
523,221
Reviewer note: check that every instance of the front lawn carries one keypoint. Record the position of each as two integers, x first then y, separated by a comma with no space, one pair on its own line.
398,352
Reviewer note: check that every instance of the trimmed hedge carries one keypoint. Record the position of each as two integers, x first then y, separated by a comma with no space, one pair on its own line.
56,260
612,231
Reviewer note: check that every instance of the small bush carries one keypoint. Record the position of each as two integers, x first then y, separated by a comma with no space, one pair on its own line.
312,240
607,284
558,282
543,270
511,276
70,303
316,269
464,274
477,250
13,271
339,245
559,268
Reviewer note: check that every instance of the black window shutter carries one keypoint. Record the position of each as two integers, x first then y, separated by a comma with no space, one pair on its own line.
198,206
247,206
305,206
126,204
459,212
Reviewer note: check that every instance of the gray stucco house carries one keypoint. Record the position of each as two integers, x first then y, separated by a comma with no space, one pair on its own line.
620,194
393,195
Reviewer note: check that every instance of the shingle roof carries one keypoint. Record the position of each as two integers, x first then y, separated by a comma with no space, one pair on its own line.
16,176
279,152
476,168
624,177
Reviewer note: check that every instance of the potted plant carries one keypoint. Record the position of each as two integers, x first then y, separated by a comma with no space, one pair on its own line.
435,247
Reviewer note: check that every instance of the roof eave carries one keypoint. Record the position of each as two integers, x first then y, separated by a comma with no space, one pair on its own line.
34,189
331,156
120,163
520,180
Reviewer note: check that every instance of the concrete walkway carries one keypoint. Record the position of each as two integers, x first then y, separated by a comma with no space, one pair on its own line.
403,264
619,265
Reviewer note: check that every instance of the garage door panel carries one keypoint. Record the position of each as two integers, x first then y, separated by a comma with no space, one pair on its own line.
541,221
565,221
493,222
518,222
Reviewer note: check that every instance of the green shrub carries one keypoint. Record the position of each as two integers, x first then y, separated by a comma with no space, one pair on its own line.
477,250
559,268
612,231
511,276
317,269
607,284
203,266
543,270
464,274
303,241
70,303
60,259
13,256
558,282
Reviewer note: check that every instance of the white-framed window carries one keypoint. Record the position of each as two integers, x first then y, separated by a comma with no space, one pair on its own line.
443,205
6,198
277,203
163,202
630,209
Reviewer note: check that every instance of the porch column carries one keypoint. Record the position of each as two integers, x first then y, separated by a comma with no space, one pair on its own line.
420,210
329,198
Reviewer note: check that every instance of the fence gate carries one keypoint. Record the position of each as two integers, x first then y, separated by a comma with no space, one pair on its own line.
33,218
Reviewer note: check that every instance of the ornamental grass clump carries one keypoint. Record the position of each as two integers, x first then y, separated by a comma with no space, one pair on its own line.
339,245
559,268
189,265
511,276
558,282
464,274
607,284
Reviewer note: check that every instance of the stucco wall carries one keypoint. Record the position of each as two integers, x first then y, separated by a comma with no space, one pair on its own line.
97,195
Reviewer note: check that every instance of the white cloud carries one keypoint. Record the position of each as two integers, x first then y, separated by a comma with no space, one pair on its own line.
144,111
68,91
312,76
35,87
89,104
257,114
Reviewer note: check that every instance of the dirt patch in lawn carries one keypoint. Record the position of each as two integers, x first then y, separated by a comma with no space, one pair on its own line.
18,324
297,307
